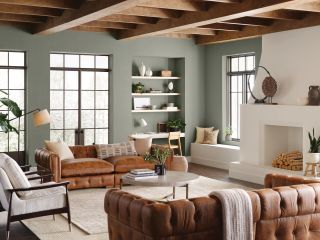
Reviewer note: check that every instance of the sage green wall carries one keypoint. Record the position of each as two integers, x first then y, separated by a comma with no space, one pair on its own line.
123,52
215,60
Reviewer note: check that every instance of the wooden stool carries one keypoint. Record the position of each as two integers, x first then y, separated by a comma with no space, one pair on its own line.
175,136
311,167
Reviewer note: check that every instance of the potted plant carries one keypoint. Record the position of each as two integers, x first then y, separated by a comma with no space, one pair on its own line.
13,108
176,125
313,156
228,134
138,88
158,156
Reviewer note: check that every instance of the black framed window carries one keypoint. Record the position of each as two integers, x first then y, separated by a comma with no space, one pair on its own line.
79,98
12,81
239,68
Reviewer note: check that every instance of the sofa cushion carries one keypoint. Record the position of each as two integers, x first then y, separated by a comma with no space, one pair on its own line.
85,166
60,148
116,149
124,164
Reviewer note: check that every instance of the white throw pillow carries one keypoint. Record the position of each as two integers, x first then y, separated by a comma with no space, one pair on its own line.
117,149
16,176
211,137
60,148
200,133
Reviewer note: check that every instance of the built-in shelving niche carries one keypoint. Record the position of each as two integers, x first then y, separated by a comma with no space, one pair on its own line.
177,66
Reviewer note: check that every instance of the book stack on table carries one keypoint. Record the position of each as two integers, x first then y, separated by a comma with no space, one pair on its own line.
141,174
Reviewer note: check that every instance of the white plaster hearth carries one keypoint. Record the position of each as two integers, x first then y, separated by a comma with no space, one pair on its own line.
267,130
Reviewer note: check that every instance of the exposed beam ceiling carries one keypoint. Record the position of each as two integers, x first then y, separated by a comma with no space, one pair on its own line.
129,19
27,10
151,12
184,5
66,4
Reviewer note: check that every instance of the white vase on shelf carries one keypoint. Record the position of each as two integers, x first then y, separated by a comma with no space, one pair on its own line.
149,72
142,69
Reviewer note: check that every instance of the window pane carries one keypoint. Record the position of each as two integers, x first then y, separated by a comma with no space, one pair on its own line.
16,79
16,59
21,141
71,80
234,64
240,79
71,100
56,60
234,83
71,119
56,80
102,81
3,79
69,137
102,100
56,135
88,136
56,100
250,64
71,61
87,119
101,136
3,142
87,61
18,97
57,119
87,80
242,64
102,61
4,58
13,139
101,118
87,100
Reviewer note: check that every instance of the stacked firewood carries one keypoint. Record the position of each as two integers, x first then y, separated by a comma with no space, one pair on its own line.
290,161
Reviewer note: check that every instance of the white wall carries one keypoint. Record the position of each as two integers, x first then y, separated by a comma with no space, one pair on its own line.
292,57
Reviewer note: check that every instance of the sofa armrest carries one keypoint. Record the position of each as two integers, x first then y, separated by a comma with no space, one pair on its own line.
169,159
273,180
132,217
48,161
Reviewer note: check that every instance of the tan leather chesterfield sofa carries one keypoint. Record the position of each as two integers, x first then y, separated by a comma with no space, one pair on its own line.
86,170
280,212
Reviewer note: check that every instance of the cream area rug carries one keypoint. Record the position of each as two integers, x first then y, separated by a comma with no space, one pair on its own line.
87,210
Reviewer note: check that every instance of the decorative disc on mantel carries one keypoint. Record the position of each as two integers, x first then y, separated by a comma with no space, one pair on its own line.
269,86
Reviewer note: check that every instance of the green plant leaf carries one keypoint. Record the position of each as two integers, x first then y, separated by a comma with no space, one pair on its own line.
12,106
5,124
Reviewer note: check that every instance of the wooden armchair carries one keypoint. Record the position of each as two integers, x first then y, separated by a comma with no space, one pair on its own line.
24,199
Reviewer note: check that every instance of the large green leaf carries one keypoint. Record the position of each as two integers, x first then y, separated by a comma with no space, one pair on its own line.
5,124
12,106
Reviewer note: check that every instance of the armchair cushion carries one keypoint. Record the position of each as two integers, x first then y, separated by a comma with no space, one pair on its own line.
123,164
85,166
16,176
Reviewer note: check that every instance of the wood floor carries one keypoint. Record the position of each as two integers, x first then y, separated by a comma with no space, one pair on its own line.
20,232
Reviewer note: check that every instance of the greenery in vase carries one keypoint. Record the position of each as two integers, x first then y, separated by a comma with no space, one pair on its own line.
228,131
158,156
177,124
314,143
138,88
4,118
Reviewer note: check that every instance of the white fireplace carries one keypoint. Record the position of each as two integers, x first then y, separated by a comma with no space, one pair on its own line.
267,130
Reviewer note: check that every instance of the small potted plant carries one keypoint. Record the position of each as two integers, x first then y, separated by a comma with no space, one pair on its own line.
158,156
313,156
228,134
176,125
138,88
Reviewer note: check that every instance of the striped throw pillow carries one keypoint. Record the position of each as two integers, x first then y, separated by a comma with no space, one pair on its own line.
117,149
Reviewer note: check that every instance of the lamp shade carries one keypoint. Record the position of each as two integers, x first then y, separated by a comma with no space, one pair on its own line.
143,122
41,118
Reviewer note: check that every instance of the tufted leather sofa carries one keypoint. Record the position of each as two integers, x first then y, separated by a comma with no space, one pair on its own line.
86,170
281,213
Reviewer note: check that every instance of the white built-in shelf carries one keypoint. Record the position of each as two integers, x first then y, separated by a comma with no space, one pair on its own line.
154,111
155,94
155,77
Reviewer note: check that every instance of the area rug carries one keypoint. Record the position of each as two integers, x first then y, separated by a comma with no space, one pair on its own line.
88,214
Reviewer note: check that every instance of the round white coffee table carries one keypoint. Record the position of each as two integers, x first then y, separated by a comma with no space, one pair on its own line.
171,179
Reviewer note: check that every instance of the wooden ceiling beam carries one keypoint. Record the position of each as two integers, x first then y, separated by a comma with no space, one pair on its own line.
310,20
65,4
151,12
311,6
87,12
199,31
218,13
177,35
183,5
129,19
26,10
224,27
251,21
222,1
21,18
112,25
89,29
282,14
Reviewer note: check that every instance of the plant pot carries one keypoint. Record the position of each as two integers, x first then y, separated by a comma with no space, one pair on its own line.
160,169
312,157
228,138
174,129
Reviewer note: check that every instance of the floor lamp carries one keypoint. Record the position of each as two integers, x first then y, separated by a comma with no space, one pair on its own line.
40,117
